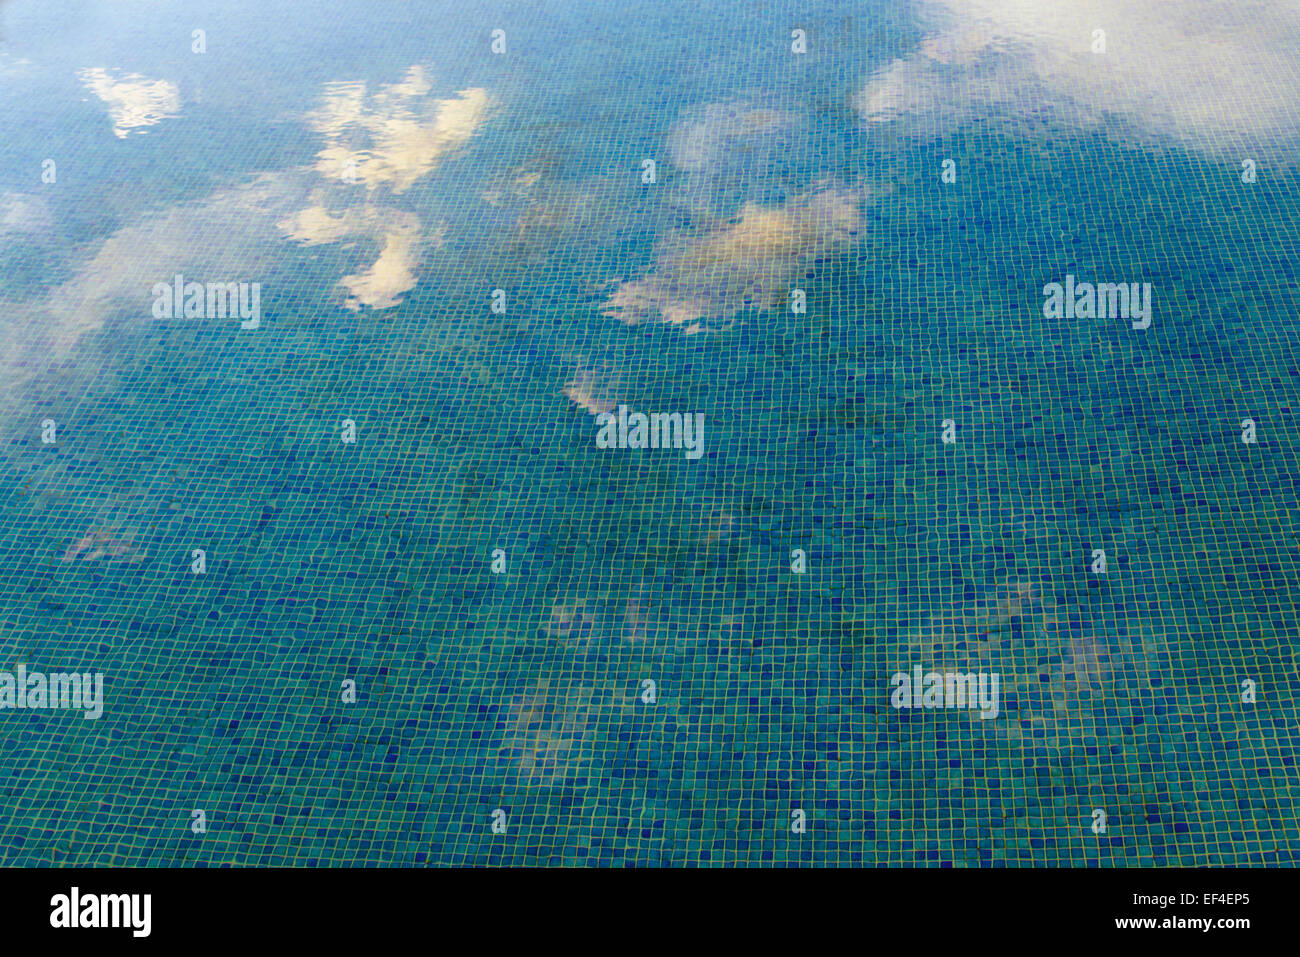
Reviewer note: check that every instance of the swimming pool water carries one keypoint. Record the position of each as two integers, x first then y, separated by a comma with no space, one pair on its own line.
424,637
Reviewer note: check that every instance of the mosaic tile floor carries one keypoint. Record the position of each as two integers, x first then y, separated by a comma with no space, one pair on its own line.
325,333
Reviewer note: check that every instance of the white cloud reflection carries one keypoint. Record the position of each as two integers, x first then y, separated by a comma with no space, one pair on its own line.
699,281
397,136
1211,74
133,101
238,233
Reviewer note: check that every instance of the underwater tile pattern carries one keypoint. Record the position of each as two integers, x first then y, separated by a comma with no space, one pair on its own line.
429,602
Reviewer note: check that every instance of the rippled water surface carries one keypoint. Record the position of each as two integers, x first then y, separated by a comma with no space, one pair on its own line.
463,262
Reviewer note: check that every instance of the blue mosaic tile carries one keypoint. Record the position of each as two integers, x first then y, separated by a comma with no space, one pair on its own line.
516,434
